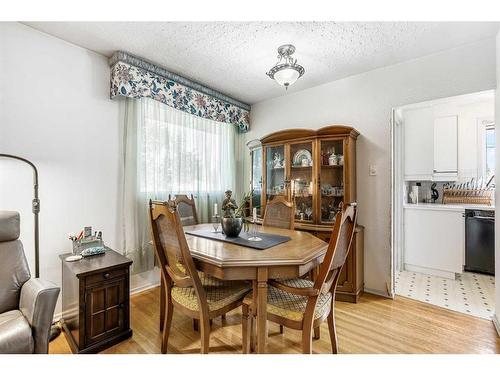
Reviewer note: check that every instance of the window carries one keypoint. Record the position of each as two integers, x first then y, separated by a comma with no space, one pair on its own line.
167,151
183,153
490,150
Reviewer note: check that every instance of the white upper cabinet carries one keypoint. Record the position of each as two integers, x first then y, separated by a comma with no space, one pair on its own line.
430,144
445,148
418,143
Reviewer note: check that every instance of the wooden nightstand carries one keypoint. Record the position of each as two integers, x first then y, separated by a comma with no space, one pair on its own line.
95,301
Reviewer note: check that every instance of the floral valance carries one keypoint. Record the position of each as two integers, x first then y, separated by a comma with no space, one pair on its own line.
135,78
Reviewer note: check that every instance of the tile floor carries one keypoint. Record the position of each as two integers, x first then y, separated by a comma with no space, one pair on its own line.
471,293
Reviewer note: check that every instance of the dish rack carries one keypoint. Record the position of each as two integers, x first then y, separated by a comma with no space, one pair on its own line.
468,196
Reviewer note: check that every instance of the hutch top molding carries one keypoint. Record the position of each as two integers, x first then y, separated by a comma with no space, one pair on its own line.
296,134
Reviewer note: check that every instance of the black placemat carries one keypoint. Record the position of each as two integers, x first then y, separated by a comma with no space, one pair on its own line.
268,240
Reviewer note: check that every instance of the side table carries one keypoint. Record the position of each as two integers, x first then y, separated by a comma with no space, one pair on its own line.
95,301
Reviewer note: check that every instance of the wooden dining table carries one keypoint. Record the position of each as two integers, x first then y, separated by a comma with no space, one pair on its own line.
229,261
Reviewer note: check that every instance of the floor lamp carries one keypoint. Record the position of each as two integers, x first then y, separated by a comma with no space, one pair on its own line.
35,208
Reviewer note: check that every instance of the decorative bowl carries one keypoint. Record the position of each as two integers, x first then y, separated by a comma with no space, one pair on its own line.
232,226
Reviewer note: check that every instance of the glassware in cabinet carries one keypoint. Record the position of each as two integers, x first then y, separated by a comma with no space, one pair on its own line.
302,180
331,177
275,171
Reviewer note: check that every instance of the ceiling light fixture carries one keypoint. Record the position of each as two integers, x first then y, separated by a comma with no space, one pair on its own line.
286,71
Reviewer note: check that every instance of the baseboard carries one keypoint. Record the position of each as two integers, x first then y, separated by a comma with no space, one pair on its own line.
143,288
496,323
430,271
377,292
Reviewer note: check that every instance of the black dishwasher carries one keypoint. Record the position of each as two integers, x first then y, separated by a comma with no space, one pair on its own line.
480,241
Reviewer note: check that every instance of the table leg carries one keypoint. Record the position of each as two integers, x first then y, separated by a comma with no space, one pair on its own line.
162,302
261,309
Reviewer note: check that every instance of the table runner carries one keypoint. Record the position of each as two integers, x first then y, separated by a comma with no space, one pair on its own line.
268,240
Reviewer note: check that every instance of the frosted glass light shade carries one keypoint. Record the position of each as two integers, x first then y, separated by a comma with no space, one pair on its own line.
286,77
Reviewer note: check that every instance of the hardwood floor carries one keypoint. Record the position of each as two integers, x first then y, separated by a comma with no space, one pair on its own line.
374,325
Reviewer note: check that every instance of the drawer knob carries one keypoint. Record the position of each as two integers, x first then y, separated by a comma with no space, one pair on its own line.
106,275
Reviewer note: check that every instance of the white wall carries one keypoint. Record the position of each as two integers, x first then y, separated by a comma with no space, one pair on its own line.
365,101
55,110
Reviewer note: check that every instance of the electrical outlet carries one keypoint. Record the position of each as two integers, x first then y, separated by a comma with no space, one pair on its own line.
372,171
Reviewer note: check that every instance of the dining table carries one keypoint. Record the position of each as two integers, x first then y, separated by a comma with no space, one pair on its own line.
229,261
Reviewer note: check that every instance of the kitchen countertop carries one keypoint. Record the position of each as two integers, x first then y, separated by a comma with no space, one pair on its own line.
447,207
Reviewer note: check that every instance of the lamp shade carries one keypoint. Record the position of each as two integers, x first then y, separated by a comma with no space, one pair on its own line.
286,71
286,76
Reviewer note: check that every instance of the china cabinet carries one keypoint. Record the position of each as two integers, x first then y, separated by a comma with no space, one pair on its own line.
316,170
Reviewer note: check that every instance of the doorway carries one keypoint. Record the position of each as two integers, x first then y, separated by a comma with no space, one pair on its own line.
443,167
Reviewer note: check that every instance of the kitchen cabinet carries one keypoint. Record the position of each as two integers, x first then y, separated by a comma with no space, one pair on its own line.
434,240
445,148
418,144
430,146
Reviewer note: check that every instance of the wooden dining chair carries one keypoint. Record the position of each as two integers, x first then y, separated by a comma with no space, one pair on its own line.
304,304
279,213
193,293
186,207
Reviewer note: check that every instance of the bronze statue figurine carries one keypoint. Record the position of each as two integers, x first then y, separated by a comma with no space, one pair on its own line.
229,205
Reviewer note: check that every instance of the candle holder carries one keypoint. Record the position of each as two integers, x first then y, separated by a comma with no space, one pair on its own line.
216,223
255,231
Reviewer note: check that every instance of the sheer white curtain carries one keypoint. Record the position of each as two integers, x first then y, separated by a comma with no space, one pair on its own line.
167,151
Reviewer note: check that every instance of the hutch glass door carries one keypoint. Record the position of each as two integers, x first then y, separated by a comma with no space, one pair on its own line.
275,171
331,178
302,181
257,180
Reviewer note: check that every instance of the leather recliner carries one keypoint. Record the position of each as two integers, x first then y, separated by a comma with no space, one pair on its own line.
26,304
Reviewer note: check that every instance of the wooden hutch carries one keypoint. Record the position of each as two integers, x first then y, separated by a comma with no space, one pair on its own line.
316,169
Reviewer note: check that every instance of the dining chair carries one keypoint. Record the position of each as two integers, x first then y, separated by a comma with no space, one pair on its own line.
194,294
279,213
304,304
186,207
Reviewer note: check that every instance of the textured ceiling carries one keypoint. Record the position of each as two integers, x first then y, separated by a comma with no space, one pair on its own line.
232,57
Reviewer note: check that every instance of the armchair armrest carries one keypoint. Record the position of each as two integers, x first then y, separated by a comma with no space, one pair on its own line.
37,303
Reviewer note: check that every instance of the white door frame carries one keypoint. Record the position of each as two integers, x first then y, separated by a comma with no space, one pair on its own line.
396,197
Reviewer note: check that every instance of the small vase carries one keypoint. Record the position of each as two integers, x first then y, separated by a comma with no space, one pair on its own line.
332,160
231,226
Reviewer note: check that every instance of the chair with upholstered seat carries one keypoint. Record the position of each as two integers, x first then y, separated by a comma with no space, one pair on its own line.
186,207
194,294
279,213
304,304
